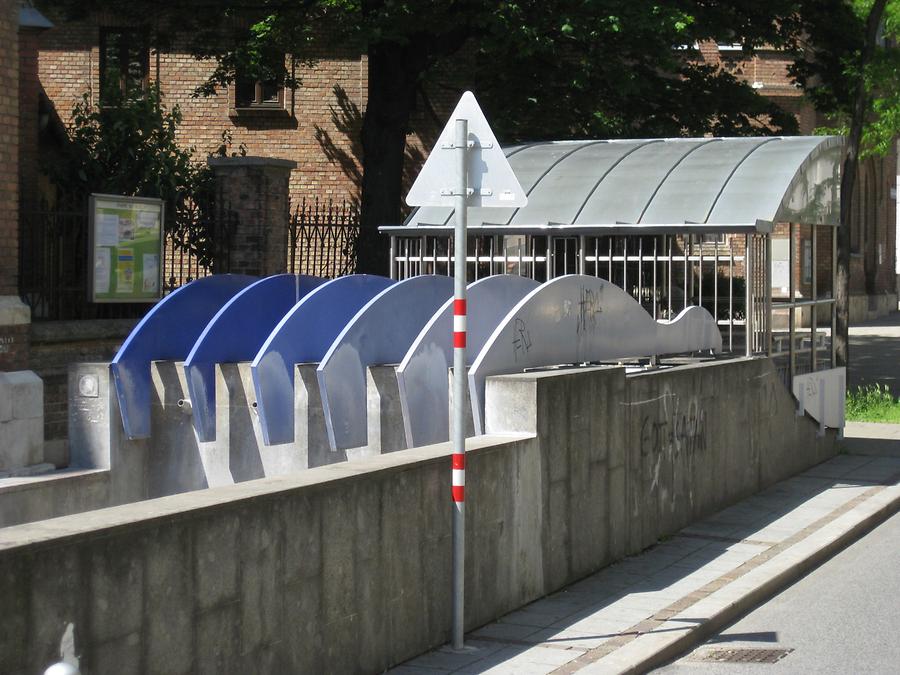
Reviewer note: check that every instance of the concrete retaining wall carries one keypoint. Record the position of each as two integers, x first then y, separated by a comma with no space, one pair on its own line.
346,567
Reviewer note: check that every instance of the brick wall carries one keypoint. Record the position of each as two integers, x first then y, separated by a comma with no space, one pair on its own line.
317,127
9,144
29,94
56,344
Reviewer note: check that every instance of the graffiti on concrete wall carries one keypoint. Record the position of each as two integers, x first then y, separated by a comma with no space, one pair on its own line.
676,425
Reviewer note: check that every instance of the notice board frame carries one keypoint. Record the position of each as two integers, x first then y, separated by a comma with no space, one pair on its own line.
117,264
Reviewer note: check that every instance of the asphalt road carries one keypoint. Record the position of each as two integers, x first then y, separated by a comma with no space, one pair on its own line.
844,617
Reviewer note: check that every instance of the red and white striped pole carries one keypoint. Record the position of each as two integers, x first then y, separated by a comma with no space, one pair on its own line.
458,481
459,453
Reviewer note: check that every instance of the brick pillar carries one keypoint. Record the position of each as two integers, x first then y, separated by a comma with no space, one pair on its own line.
252,198
15,316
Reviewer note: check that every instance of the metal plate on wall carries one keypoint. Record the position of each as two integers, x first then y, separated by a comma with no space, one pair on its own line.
822,394
304,335
167,332
236,333
380,333
422,375
579,319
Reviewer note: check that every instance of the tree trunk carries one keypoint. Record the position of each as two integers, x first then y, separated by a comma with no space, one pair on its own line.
848,181
394,71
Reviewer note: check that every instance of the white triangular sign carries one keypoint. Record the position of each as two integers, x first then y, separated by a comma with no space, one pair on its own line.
490,176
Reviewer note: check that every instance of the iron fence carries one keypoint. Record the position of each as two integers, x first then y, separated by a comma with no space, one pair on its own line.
54,263
323,238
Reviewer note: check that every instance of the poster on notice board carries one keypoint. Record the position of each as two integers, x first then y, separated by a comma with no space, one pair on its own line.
125,248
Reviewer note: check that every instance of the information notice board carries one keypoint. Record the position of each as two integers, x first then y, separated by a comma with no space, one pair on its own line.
125,248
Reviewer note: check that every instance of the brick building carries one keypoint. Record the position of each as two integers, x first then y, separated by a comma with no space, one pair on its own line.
873,226
317,125
14,315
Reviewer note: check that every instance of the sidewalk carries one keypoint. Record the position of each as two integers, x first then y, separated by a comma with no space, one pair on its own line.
647,609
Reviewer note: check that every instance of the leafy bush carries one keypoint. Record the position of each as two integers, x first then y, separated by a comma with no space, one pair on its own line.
127,146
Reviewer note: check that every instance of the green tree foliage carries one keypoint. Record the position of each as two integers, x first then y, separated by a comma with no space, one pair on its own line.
543,69
128,146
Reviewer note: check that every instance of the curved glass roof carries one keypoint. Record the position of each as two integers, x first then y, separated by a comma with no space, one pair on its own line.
705,183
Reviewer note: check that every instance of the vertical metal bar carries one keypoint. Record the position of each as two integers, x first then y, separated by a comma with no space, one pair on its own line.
609,262
700,274
731,294
655,264
596,256
640,269
502,240
715,278
581,254
748,294
625,265
393,272
519,253
685,253
669,293
458,481
768,292
833,296
493,241
814,318
533,259
423,245
550,257
792,261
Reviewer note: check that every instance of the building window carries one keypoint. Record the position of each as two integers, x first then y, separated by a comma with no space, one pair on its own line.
250,93
124,62
713,238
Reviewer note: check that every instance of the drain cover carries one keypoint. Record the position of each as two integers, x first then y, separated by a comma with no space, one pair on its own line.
741,655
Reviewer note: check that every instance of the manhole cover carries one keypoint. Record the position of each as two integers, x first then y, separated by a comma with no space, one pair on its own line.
741,655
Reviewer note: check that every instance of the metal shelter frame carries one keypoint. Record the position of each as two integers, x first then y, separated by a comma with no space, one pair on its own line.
675,222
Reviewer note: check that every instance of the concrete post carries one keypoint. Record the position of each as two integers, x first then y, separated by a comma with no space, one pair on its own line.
253,203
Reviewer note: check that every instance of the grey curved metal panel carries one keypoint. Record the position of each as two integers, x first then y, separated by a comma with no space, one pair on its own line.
759,185
689,193
167,332
814,192
235,334
304,335
578,319
560,195
422,374
624,193
529,165
726,181
380,333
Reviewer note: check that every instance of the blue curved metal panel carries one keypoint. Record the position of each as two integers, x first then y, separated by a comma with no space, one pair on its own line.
235,334
422,374
167,332
380,333
303,335
578,319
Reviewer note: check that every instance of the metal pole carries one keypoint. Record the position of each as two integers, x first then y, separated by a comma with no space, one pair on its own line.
833,295
748,295
792,292
459,384
813,310
768,296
